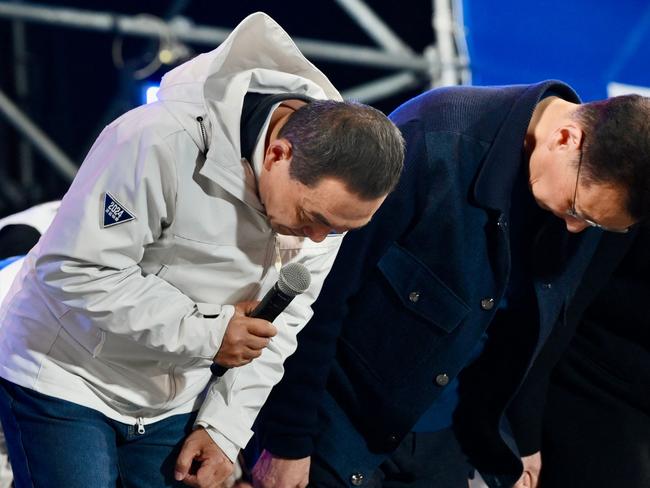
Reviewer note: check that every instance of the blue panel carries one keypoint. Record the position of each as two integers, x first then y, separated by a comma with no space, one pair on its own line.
587,43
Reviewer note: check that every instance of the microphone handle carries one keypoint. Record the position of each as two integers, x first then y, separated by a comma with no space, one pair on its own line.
272,305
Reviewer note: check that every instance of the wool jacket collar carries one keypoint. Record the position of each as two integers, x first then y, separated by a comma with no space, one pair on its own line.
493,188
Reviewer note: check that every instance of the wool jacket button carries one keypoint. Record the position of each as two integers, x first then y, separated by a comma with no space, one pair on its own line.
442,379
414,296
487,303
356,479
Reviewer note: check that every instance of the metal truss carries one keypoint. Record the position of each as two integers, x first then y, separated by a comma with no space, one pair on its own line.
443,63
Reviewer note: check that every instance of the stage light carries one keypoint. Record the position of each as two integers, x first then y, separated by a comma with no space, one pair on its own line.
150,93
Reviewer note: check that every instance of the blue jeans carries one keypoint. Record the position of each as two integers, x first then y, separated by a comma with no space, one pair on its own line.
58,444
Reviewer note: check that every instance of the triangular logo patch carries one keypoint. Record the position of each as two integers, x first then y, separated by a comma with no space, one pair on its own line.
114,212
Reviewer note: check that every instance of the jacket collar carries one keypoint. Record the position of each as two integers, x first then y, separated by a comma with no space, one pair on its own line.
495,180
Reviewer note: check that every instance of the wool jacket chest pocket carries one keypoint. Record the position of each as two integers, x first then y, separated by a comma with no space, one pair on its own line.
406,315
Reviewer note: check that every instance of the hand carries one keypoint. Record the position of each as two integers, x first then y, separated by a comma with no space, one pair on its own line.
532,467
245,337
201,463
273,472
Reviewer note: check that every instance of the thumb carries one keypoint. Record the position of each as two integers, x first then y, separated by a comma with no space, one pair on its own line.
184,462
528,480
246,308
524,481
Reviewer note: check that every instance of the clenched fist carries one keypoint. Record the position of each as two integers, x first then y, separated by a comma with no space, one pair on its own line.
201,463
245,337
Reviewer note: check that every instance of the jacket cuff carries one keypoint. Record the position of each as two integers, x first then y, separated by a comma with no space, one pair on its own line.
288,446
219,316
529,440
230,449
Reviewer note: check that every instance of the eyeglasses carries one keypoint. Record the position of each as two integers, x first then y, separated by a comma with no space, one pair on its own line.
572,212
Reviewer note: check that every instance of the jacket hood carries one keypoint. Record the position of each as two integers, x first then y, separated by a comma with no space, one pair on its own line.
257,56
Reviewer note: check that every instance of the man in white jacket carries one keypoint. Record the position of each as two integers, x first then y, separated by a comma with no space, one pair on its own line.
178,220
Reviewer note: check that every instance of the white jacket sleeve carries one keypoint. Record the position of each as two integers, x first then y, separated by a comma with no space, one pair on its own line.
94,270
234,400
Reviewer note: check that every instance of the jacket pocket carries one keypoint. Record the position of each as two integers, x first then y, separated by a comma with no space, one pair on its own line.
420,290
90,338
401,319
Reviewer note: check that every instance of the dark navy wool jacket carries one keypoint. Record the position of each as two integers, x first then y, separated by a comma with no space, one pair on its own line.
412,294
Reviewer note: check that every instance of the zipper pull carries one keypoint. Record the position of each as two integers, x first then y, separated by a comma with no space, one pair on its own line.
139,422
204,135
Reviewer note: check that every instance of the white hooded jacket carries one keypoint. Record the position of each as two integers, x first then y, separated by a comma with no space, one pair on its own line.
124,302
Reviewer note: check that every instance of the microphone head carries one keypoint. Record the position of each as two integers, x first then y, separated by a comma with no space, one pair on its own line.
294,279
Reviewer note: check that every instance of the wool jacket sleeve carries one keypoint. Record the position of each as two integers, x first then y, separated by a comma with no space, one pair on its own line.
92,270
289,421
526,412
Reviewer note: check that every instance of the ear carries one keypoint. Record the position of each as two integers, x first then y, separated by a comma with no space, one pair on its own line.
278,150
568,137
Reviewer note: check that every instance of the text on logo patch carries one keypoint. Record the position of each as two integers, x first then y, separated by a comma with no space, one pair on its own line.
114,212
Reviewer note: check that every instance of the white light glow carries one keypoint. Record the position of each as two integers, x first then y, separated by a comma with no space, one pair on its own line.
615,89
151,94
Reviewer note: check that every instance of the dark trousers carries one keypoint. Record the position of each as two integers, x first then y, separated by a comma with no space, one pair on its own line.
422,460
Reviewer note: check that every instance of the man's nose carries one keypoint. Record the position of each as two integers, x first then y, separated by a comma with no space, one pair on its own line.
574,225
316,234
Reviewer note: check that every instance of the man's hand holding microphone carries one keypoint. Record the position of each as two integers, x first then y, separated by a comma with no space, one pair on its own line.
201,463
245,337
249,330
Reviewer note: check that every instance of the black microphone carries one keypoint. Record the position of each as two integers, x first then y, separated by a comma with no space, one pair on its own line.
294,279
